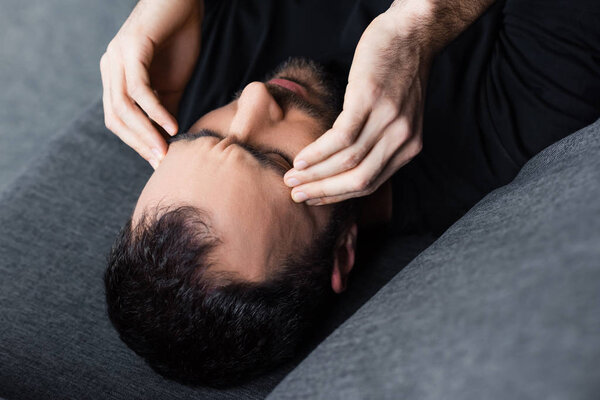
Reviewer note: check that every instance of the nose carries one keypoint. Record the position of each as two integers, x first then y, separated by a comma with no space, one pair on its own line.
256,109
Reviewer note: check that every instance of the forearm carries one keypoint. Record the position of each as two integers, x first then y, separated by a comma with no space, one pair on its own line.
158,19
435,23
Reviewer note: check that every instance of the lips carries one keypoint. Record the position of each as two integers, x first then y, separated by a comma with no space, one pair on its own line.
291,86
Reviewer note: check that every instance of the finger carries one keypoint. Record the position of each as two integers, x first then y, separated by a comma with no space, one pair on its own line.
378,121
115,125
129,137
105,91
361,180
138,88
343,133
400,159
336,164
132,117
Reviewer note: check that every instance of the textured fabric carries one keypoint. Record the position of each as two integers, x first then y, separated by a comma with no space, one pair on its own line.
49,68
57,223
523,76
504,305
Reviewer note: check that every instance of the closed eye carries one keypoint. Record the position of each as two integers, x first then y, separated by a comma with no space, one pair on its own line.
272,158
282,163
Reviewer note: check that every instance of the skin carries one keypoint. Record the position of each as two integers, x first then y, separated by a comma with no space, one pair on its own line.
380,127
249,205
145,70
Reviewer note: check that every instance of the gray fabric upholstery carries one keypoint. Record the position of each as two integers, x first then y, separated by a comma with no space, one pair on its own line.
50,53
57,222
505,305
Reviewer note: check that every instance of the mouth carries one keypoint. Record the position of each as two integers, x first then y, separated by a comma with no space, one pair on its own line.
291,86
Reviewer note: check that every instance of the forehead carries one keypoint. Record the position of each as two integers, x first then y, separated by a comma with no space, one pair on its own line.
250,207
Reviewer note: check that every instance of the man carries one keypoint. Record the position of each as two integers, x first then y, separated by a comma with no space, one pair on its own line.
217,248
219,273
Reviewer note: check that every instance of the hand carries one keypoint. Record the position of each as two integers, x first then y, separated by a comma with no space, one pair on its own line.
379,129
145,69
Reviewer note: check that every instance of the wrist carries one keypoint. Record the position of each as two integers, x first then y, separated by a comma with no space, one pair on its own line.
412,21
409,12
434,23
158,19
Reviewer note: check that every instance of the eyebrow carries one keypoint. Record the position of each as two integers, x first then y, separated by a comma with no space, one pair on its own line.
258,152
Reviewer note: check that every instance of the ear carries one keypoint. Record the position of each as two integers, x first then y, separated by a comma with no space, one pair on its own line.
344,259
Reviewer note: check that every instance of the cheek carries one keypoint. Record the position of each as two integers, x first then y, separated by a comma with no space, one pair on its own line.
217,120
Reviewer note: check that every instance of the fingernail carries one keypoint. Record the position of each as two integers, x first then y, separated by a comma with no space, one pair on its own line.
154,163
292,181
299,196
170,129
157,153
300,164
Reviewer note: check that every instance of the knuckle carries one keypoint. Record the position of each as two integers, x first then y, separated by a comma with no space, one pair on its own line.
351,160
316,193
320,194
134,90
131,40
390,108
111,46
152,108
118,110
372,92
103,61
346,138
121,106
121,111
361,183
417,148
108,122
400,135
315,154
142,154
412,152
140,149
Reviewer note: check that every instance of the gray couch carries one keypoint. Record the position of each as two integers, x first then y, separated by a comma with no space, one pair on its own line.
504,305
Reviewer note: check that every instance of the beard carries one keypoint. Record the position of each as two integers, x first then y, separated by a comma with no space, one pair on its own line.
322,82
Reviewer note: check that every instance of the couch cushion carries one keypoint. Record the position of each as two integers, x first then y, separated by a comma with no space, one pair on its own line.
504,305
57,223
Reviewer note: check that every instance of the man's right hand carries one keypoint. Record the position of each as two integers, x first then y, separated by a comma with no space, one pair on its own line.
145,70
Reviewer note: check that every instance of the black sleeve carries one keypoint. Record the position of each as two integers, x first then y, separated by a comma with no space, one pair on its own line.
524,75
543,82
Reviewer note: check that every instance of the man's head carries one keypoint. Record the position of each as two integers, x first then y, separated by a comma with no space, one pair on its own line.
218,273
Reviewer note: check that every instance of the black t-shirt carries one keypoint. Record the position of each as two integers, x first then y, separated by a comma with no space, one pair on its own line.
524,75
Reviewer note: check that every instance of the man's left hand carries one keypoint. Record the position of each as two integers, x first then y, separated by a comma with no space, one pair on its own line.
379,129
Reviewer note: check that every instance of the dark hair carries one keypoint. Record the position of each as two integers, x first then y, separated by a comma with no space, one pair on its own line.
196,327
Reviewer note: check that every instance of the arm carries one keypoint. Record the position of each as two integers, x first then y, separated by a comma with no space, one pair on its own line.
379,129
145,69
435,23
